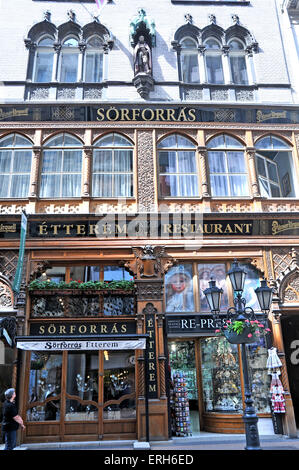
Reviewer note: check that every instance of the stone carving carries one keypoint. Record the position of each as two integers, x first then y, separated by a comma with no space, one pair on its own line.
142,57
39,93
63,113
146,171
149,290
6,296
291,291
66,93
142,23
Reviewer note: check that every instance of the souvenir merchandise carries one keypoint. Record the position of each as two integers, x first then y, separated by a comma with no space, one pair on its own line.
277,395
273,361
180,405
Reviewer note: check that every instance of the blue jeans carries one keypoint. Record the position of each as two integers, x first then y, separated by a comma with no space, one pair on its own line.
10,440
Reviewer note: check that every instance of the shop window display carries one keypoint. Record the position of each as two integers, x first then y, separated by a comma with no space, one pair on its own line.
184,391
179,289
252,281
44,383
221,376
119,385
82,387
260,379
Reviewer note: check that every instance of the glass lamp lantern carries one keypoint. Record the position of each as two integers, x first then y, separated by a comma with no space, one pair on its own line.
237,276
264,295
213,296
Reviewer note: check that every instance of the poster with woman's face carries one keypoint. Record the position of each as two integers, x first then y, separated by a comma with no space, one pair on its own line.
179,289
217,272
251,283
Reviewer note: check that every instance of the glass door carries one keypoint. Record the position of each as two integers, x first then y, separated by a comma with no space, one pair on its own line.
185,408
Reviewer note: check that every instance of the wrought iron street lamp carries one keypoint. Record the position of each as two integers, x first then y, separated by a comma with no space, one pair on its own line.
241,313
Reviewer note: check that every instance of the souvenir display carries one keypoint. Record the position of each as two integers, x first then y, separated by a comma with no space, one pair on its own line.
180,405
276,387
257,361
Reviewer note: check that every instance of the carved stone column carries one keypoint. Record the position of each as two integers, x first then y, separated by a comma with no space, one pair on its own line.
250,152
203,155
87,156
35,171
145,171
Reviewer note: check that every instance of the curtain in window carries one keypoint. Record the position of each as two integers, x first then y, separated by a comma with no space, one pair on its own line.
15,167
214,69
61,169
94,67
112,168
190,71
44,66
69,67
238,70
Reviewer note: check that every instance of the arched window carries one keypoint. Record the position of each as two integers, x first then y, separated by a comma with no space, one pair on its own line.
213,61
94,60
237,62
228,175
177,167
61,167
69,60
275,168
15,166
43,69
189,61
112,174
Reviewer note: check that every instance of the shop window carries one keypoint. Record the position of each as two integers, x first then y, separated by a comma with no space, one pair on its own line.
177,167
213,62
61,167
44,387
275,168
82,387
94,60
206,272
252,281
189,61
179,289
69,56
112,167
116,273
119,385
220,376
43,69
237,62
228,173
55,274
15,166
257,354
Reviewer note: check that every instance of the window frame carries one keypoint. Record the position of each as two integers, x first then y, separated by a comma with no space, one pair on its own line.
113,173
11,173
68,50
94,50
61,173
189,52
177,174
238,54
46,49
209,52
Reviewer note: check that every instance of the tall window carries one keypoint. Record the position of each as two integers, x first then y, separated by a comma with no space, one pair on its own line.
228,175
275,168
44,60
177,167
61,167
213,61
112,167
15,166
69,61
189,61
237,62
94,60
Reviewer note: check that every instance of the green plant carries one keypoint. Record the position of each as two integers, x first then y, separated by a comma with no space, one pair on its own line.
254,327
80,285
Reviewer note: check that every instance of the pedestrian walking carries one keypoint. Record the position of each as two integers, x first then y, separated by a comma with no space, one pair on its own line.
11,420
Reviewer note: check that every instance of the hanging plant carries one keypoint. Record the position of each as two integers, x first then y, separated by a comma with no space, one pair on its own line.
243,331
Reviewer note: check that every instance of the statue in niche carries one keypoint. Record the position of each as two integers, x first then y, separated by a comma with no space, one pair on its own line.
142,57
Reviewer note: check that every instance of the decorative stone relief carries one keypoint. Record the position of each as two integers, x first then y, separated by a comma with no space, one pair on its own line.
39,93
6,296
111,208
291,291
244,95
66,93
63,113
219,95
93,93
230,207
8,264
192,94
146,171
225,115
59,208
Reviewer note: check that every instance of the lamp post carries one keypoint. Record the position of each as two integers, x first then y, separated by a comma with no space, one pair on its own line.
241,313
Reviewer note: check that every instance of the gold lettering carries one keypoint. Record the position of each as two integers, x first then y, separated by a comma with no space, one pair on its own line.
80,229
144,116
124,114
62,329
151,355
192,114
114,328
239,227
82,329
123,328
68,228
151,366
176,228
109,114
228,229
160,114
72,329
104,329
55,227
118,228
218,228
167,228
100,115
43,229
136,113
150,323
181,115
41,330
93,329
152,377
151,344
92,229
152,388
171,115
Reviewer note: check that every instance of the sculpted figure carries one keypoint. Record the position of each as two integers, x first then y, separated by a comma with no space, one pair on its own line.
142,57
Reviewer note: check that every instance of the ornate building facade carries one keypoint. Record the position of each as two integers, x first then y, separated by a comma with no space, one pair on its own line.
148,151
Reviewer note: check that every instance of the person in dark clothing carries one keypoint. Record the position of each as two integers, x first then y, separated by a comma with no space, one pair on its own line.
11,420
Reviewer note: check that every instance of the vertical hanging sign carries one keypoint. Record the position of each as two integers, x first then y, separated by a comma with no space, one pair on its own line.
152,360
18,276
